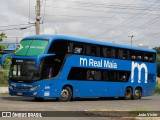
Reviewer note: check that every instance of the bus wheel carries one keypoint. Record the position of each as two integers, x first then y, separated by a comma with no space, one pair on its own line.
66,94
137,94
128,93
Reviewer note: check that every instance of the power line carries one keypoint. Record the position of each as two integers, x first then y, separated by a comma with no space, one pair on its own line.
149,35
20,28
111,16
13,25
125,22
102,5
152,21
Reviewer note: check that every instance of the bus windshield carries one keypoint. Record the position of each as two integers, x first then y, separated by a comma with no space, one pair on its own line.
32,47
24,70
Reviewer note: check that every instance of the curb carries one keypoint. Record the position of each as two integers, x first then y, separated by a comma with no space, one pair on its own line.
4,90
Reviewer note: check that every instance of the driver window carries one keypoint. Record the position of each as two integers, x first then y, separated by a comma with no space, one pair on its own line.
51,67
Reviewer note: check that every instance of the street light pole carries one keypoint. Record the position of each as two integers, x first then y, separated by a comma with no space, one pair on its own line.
131,38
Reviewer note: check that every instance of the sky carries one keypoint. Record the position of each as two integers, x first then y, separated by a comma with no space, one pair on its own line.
102,20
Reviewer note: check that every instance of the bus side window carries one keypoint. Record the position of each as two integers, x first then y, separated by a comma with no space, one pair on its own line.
97,75
104,52
109,52
123,54
126,54
81,75
93,75
59,46
105,76
98,51
132,55
120,54
93,50
113,53
138,56
152,57
145,57
78,48
122,76
111,75
88,50
70,47
90,74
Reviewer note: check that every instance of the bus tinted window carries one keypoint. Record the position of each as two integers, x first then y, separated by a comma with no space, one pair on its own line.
123,54
93,75
138,55
51,67
152,57
78,48
109,52
132,55
123,76
32,47
92,50
59,46
98,75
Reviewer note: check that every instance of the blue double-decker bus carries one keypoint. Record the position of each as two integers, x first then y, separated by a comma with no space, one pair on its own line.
66,68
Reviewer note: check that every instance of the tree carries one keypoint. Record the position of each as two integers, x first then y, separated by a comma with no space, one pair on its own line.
2,47
157,49
2,35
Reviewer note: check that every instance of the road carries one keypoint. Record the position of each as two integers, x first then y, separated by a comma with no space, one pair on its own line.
10,103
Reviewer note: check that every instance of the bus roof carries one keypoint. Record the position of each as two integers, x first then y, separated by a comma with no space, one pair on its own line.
54,37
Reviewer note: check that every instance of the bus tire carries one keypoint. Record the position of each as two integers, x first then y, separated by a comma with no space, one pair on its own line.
137,94
128,93
66,94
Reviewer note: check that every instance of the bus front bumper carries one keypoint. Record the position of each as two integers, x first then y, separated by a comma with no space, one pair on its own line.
29,92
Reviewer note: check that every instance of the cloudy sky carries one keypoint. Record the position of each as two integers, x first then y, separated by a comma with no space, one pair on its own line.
103,20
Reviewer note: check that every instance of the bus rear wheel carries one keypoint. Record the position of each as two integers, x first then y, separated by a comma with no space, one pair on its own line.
137,94
66,94
128,93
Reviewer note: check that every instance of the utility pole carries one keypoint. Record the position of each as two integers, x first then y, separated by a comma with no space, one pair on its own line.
37,23
131,38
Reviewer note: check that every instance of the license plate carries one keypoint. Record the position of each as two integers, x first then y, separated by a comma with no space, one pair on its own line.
19,93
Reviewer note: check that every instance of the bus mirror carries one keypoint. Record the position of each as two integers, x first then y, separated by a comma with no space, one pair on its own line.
4,57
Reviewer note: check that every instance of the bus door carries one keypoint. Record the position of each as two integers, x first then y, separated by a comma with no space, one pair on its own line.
50,68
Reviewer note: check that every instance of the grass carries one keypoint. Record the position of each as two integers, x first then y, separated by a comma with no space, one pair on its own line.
137,111
3,85
4,94
158,89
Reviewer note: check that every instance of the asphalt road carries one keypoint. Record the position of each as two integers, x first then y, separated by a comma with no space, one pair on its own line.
10,103
7,103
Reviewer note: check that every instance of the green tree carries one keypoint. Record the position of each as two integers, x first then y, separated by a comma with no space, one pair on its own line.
2,35
2,47
157,49
158,58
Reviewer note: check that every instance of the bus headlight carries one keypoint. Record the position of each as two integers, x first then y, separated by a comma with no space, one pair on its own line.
34,88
